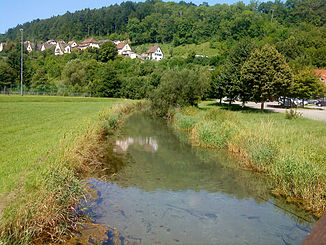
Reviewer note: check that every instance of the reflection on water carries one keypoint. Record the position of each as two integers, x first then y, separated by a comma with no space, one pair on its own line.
166,191
148,143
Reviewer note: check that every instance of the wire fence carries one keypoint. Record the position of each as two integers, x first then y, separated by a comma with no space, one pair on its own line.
16,92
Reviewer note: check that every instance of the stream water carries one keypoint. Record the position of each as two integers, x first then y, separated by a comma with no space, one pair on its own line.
166,192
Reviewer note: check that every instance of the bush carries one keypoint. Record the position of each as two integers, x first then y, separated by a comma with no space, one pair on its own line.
292,114
178,88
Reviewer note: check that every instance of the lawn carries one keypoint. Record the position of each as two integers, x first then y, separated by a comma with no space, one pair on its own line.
32,126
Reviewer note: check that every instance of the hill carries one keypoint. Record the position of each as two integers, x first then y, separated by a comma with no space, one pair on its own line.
155,21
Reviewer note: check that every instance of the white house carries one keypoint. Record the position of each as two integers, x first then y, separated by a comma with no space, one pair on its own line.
46,46
2,46
62,48
153,53
89,43
123,48
134,55
72,44
29,46
52,42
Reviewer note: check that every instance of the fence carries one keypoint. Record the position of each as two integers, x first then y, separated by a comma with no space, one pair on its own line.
11,92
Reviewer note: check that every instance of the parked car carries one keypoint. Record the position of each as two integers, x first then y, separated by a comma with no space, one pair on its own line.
288,102
321,102
312,102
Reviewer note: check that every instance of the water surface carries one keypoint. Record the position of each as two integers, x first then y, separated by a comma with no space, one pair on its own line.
164,191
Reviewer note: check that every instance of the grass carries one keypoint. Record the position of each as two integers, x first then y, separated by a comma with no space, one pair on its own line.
48,144
32,126
291,152
183,50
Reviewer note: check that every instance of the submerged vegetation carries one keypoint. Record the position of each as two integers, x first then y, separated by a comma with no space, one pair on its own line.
42,206
291,152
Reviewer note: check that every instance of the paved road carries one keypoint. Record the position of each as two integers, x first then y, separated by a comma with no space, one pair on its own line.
315,113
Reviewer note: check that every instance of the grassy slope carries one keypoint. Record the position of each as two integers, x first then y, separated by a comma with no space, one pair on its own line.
30,127
183,50
292,152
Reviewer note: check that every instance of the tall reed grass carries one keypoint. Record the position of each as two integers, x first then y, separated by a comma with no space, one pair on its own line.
291,152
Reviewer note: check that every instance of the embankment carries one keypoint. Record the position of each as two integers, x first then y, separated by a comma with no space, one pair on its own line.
291,152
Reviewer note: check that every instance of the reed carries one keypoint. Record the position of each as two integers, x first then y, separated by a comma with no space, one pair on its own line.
291,152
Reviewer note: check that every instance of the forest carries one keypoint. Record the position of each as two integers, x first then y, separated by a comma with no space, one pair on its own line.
294,31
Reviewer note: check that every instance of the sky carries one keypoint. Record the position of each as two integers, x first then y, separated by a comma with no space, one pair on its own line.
14,12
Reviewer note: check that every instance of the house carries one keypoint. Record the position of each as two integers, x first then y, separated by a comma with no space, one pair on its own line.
29,46
104,41
2,46
133,55
89,43
62,48
123,48
52,42
46,46
321,74
72,44
153,53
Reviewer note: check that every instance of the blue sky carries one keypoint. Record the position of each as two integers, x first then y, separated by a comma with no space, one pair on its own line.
14,12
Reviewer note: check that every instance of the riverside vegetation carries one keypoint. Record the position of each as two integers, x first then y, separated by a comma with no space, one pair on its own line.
42,172
291,152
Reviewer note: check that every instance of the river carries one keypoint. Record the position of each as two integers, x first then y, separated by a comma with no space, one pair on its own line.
164,191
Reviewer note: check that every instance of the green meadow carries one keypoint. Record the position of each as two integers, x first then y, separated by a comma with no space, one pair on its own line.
31,127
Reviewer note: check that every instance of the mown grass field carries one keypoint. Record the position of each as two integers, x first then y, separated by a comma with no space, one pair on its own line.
291,152
49,145
32,126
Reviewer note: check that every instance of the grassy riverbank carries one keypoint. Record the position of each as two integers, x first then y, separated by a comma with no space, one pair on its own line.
48,144
291,152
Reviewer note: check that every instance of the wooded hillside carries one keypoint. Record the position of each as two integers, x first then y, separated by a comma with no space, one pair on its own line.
181,23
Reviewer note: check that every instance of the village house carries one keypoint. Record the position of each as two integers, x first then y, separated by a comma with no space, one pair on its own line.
133,55
88,43
2,46
104,41
52,42
72,44
46,46
29,46
123,48
62,48
153,53
321,74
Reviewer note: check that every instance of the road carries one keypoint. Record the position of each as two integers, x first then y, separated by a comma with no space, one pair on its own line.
314,112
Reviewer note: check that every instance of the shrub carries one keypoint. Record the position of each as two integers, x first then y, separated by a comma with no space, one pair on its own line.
178,88
292,114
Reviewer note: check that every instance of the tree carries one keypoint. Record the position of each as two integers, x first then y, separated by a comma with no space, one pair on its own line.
217,85
178,88
105,83
266,74
108,51
306,85
7,74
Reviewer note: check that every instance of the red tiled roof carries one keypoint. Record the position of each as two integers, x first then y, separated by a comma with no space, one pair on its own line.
121,45
321,74
151,49
89,40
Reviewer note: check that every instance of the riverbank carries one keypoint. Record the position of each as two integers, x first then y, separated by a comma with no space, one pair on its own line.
48,145
291,152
